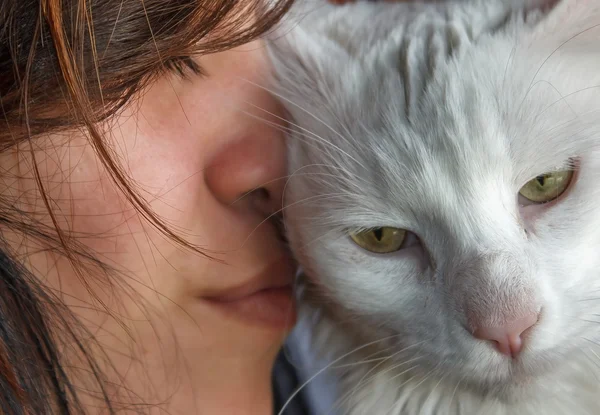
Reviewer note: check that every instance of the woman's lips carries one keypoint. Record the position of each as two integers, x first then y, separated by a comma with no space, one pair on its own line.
266,300
272,307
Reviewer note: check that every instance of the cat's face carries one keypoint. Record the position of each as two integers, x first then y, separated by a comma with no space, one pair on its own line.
470,238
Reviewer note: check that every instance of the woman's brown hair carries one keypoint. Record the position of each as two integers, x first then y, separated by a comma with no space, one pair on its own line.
67,64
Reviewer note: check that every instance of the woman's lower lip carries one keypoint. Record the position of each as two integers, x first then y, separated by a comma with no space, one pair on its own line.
272,307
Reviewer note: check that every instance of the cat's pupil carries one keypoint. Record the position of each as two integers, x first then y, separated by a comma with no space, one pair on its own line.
378,233
541,180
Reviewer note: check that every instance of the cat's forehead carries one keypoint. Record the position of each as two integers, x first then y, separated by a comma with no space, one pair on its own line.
484,85
505,102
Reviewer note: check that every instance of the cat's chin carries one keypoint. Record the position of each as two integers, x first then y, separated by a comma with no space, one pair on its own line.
514,382
509,391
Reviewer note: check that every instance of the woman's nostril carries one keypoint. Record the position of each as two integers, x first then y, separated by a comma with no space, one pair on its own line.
261,200
262,193
277,220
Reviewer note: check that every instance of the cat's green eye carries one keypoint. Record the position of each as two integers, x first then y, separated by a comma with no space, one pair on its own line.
547,187
380,240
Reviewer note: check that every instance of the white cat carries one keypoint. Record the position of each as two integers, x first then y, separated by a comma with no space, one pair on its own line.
443,201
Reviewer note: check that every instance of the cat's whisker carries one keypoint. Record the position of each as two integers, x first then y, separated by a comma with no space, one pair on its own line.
594,342
401,385
287,177
308,199
432,391
353,180
392,368
368,359
316,239
564,97
279,211
350,139
307,137
566,42
360,362
431,372
511,56
320,371
365,379
454,394
595,359
355,183
307,134
300,129
329,127
396,376
347,179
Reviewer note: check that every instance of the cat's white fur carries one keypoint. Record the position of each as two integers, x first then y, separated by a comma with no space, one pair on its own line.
430,117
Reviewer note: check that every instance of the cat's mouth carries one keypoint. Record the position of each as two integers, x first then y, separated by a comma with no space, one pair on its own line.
511,379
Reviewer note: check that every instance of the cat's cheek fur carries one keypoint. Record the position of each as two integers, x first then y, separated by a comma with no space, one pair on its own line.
567,238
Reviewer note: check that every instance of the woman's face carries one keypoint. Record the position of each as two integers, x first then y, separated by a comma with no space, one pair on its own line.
194,148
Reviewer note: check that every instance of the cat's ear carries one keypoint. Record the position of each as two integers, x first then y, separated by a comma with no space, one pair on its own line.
306,63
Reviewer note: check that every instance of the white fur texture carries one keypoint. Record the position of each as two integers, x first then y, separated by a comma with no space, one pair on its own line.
430,118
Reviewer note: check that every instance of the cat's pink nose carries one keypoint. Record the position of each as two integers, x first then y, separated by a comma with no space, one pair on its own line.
507,338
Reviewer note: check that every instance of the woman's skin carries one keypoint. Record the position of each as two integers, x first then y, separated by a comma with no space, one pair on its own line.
189,335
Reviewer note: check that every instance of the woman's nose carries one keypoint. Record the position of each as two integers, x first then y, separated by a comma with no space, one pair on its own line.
249,173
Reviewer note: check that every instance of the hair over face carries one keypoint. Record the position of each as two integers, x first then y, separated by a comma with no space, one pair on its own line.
71,64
